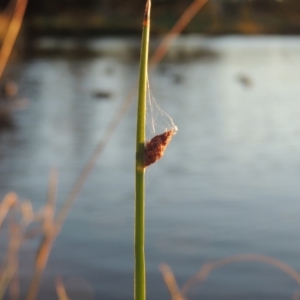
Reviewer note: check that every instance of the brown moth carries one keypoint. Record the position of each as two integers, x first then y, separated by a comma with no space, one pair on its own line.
156,147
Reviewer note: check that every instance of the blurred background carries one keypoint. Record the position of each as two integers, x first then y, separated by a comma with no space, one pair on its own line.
228,183
114,17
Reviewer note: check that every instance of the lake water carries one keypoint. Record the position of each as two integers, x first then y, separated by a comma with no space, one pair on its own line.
228,183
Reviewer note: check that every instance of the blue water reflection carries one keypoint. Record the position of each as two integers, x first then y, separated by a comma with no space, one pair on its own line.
228,183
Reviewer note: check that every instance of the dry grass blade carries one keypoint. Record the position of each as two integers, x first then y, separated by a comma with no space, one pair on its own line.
49,235
60,290
41,261
186,17
12,33
207,268
5,18
51,201
5,279
27,212
296,295
16,226
171,283
9,200
12,259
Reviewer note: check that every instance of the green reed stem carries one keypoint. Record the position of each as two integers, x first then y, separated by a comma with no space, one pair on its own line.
139,233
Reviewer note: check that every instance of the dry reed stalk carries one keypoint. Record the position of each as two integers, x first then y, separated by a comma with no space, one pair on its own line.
60,290
207,268
183,21
296,295
9,200
49,234
171,283
12,33
15,242
5,17
5,279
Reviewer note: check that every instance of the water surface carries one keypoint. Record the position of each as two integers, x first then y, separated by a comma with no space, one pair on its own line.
228,183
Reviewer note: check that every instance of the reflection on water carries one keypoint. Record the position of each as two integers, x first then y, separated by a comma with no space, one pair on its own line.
227,184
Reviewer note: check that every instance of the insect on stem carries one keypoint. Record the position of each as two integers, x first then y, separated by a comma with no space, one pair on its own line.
155,148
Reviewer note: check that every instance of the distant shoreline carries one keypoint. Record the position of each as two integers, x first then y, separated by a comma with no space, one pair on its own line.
205,22
112,18
185,48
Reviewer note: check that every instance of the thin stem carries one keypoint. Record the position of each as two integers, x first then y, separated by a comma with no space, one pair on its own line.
12,33
50,232
90,164
139,234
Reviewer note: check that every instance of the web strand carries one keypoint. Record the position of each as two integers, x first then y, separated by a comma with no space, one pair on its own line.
154,111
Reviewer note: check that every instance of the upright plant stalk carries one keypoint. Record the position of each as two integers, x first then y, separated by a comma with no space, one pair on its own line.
12,32
139,232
